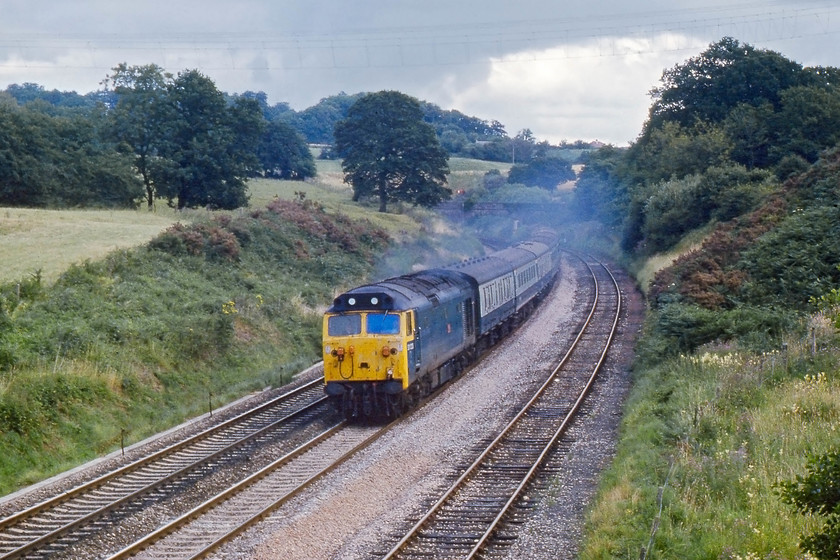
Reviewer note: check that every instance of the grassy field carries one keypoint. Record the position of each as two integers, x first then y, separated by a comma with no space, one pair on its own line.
49,241
52,240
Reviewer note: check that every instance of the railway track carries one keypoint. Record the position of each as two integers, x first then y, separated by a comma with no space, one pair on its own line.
473,515
54,526
224,516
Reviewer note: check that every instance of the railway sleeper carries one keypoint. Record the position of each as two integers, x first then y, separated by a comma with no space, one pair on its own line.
448,538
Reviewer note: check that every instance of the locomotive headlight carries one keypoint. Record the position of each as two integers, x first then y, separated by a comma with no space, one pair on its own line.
327,349
390,373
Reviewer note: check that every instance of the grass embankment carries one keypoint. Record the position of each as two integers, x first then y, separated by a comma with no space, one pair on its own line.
139,340
714,426
706,438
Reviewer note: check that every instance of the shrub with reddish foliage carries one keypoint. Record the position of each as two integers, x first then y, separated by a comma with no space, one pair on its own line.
210,240
337,229
224,237
709,276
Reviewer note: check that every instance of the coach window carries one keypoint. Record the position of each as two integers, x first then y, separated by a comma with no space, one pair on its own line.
344,325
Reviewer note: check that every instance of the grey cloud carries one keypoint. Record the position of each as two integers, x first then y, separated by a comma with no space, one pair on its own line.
440,50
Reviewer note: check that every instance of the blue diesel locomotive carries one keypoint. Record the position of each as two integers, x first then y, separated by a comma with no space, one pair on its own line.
391,343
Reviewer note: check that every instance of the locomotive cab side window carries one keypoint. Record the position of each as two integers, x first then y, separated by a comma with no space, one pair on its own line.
344,325
383,323
409,323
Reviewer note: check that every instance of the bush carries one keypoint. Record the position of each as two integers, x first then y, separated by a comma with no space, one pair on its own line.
675,207
210,240
686,327
796,261
818,493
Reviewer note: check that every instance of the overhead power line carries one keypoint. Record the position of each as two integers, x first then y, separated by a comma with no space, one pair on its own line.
445,44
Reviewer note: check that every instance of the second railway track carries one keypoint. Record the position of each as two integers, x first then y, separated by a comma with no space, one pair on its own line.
469,518
219,519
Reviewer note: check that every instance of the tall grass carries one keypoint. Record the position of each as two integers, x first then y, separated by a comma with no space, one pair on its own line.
715,432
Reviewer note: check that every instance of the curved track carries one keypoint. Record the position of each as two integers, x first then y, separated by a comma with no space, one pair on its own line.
52,526
469,517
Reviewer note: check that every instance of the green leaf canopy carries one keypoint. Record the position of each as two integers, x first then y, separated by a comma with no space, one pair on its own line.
390,153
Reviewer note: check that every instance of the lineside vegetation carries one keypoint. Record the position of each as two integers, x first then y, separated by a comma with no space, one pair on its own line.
138,341
729,441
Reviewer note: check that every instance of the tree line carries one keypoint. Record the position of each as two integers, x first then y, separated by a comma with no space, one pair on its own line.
722,128
149,135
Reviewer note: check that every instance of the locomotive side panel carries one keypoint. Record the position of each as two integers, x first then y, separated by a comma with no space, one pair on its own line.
441,335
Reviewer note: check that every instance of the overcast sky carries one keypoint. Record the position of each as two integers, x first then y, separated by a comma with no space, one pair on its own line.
570,69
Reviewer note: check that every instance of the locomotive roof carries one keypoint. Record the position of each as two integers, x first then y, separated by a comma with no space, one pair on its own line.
432,286
427,287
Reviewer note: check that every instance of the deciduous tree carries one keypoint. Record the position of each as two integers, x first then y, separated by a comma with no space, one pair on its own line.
207,152
728,73
390,153
284,154
140,115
